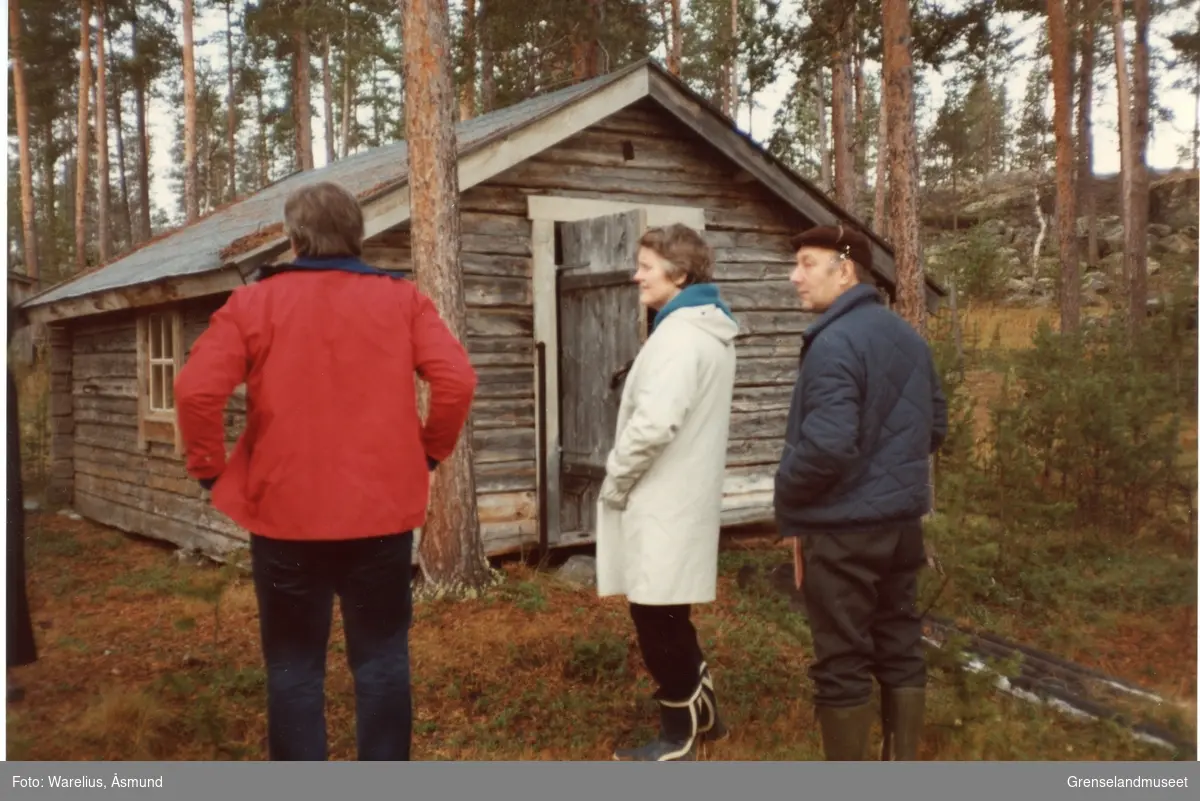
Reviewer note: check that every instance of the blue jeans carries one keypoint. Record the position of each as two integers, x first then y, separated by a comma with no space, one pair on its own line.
295,582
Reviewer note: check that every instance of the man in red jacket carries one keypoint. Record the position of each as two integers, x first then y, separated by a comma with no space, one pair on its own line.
331,475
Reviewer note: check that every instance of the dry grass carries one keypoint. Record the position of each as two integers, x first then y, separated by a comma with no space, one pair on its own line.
990,326
132,667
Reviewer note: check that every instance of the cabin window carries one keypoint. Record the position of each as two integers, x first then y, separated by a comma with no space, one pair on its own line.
160,357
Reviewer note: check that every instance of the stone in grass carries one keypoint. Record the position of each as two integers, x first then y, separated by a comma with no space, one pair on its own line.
579,571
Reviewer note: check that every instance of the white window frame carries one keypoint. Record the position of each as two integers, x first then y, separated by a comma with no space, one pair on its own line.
159,359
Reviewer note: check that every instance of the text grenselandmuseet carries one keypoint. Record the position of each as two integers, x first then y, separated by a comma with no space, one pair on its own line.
1124,782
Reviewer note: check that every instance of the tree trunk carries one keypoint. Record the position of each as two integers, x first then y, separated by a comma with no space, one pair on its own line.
675,57
823,134
861,137
466,106
81,158
302,98
264,153
143,165
116,99
29,243
327,93
843,147
452,555
1139,185
1035,269
487,59
191,170
1068,248
143,136
881,163
210,146
1125,136
595,53
733,60
377,107
102,215
902,170
1087,69
347,89
49,157
231,102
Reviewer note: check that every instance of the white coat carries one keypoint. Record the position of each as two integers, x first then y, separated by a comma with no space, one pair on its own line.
659,514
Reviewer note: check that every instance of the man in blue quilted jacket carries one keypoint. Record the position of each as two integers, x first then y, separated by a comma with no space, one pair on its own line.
852,487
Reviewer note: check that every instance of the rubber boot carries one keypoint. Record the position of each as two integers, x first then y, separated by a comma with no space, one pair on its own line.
710,724
676,741
846,732
903,721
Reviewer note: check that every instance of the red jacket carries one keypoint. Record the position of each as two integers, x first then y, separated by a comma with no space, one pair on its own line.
333,446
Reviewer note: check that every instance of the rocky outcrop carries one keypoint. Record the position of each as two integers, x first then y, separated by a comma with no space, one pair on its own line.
998,231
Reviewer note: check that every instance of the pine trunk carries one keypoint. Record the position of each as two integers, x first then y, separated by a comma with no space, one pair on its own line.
49,156
102,180
487,60
347,88
143,165
327,97
1087,69
451,548
264,153
902,168
881,163
466,106
231,102
191,170
1125,134
733,60
116,100
675,60
1139,185
143,137
861,138
843,149
302,99
1068,242
823,134
81,157
29,243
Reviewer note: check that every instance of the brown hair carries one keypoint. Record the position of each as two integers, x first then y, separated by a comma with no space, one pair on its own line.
323,219
685,251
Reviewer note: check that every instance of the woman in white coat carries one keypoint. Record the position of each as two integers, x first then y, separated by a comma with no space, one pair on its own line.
659,513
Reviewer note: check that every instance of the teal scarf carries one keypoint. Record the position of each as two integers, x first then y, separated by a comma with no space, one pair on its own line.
690,297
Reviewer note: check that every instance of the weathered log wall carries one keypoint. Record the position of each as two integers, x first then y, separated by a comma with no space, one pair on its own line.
748,229
146,492
150,493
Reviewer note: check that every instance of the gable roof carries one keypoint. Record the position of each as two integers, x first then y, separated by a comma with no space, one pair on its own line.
248,231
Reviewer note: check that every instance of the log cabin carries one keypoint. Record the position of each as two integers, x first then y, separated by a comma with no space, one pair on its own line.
554,193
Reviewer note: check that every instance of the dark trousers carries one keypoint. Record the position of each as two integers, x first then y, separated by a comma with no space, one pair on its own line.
670,648
295,582
860,592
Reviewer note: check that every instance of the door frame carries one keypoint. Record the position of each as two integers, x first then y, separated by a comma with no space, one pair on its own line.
543,212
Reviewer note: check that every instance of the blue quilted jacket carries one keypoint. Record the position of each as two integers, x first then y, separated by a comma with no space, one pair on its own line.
866,414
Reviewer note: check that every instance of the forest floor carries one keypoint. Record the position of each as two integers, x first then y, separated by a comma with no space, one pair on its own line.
147,656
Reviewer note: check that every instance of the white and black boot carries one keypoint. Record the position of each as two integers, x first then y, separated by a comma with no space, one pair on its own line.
676,740
710,725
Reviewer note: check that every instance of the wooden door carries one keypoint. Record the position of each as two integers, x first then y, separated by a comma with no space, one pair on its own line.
601,327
